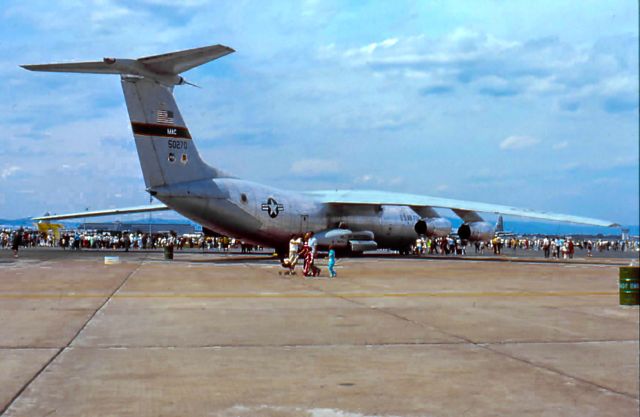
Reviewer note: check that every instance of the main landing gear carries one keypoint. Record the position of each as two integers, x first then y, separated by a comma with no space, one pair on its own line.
405,250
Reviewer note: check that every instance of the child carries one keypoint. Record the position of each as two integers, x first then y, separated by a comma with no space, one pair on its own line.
308,253
332,262
304,253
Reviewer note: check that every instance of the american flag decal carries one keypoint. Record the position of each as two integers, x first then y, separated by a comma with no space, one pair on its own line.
164,116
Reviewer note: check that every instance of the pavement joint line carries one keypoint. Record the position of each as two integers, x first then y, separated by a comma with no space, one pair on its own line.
505,259
330,345
62,349
553,369
561,342
352,345
322,294
33,378
273,346
488,347
571,309
387,312
29,347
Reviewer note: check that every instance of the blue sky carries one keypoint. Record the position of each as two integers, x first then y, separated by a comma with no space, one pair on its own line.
493,101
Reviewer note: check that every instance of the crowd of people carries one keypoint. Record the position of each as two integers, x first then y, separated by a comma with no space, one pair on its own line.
553,247
305,246
80,239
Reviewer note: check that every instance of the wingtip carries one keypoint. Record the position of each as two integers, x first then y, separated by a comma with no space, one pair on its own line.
228,48
35,67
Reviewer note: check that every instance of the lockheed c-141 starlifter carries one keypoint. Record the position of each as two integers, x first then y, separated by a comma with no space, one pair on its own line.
174,173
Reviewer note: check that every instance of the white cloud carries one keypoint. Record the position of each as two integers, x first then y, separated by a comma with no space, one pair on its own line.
503,67
398,100
9,171
560,145
314,167
379,180
387,43
518,142
106,10
364,179
369,49
172,3
604,164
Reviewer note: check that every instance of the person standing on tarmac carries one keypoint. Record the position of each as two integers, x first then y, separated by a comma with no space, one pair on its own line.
571,248
546,246
309,250
332,262
294,253
304,253
17,241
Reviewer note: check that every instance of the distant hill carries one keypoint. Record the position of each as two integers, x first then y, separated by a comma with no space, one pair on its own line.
528,227
27,222
11,223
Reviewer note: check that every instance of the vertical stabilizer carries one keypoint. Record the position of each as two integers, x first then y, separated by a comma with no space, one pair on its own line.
166,150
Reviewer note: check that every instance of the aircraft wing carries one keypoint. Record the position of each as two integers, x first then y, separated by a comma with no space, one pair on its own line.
109,212
356,197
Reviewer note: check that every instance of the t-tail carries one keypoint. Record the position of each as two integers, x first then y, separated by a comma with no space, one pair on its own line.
166,150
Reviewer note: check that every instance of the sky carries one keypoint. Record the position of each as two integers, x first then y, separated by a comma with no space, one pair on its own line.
492,101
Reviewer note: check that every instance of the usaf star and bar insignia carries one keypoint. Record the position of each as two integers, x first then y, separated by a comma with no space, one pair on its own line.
272,207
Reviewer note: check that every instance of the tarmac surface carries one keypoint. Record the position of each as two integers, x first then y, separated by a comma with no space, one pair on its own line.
226,335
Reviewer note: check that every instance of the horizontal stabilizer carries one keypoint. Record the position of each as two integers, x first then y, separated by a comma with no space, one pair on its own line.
162,68
108,212
97,67
179,62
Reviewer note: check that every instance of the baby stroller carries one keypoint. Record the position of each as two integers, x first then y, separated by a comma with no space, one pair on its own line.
289,266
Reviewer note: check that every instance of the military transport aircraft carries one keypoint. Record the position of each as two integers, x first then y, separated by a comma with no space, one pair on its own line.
175,174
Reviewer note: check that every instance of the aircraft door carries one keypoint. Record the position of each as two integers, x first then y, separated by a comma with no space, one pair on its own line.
385,222
304,223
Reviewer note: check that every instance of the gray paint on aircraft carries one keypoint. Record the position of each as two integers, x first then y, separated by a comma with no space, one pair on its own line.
176,175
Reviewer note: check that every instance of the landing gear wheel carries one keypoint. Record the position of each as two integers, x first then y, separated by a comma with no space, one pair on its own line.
405,251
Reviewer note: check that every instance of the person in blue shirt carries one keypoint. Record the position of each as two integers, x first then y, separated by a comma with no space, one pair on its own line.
332,262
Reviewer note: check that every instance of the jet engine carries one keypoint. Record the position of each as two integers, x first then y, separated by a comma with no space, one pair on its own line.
482,231
433,227
347,240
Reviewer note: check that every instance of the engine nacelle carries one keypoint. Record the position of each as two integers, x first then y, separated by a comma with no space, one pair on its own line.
346,239
433,227
362,245
339,238
476,231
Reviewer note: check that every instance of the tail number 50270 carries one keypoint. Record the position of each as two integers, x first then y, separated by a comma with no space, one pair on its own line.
177,144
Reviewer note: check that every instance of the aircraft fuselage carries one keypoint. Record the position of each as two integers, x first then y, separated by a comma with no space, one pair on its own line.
269,216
